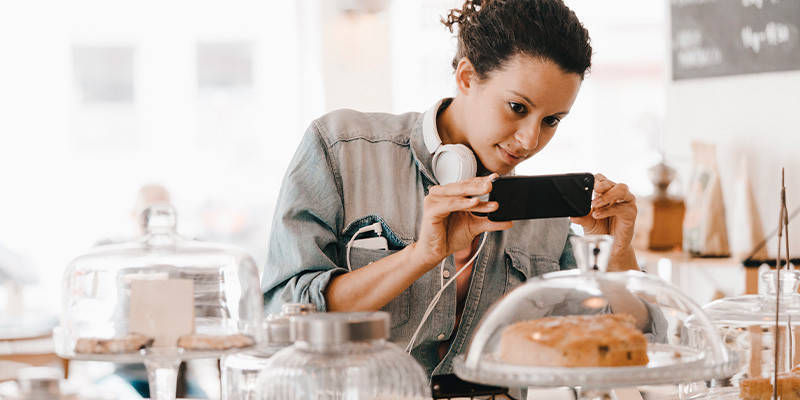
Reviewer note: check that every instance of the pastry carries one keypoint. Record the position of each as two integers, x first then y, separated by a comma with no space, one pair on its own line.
602,340
199,342
761,388
130,343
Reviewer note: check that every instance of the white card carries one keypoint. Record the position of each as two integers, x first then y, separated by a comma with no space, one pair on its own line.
162,309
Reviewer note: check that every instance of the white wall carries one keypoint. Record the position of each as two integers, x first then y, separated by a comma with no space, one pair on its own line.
755,116
61,195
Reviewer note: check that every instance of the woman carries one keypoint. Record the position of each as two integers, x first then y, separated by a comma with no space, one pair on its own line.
518,70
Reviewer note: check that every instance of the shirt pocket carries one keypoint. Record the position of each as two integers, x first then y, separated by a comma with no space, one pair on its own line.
521,266
400,307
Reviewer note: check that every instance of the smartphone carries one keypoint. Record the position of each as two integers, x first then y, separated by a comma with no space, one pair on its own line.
542,196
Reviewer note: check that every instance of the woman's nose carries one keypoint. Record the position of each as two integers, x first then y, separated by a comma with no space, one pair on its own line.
528,136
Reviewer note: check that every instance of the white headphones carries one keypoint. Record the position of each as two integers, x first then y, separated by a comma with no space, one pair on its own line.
451,162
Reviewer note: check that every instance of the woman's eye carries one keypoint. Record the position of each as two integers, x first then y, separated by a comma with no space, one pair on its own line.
551,121
517,108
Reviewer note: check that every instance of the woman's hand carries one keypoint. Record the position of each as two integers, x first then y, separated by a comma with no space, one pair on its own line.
448,224
613,213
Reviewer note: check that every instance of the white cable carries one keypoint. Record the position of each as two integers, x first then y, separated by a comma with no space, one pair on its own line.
376,227
438,295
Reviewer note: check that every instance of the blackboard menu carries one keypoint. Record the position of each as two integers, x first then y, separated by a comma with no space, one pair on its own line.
731,37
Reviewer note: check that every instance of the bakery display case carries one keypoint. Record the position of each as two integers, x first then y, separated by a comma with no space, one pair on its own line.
158,300
593,330
765,339
343,355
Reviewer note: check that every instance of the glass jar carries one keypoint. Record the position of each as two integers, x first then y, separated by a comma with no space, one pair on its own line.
748,325
158,300
339,356
239,372
563,314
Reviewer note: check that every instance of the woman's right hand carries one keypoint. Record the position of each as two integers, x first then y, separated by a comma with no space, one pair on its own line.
448,222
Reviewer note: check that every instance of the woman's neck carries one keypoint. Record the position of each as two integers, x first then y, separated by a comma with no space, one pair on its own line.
447,124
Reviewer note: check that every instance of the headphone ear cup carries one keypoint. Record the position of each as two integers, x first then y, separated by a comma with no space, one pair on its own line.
453,163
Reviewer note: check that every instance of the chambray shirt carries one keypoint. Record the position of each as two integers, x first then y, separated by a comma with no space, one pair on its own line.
353,169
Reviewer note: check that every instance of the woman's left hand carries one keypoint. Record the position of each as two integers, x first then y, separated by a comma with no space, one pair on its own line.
613,213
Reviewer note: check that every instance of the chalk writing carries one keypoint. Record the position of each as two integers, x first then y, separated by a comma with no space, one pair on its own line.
730,37
757,3
774,34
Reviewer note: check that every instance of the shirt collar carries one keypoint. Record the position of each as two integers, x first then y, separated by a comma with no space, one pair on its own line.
430,133
425,139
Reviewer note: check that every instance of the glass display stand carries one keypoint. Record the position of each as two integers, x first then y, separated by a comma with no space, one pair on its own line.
673,355
159,300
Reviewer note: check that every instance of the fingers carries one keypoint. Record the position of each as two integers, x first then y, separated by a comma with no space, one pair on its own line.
461,196
610,193
443,205
625,210
486,225
613,202
601,183
476,186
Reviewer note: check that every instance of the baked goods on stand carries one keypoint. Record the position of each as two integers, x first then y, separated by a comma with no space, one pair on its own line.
600,340
747,325
764,329
159,300
594,330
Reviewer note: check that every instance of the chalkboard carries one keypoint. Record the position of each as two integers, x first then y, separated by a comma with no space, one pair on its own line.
731,37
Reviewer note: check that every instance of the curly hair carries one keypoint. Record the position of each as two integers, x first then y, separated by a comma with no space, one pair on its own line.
490,32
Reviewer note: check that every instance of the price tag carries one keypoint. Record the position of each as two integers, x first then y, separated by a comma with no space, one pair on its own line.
162,309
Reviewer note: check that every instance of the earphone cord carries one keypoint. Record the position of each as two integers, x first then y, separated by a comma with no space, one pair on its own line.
438,295
376,227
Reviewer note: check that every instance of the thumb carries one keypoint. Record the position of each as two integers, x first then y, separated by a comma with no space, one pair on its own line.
486,225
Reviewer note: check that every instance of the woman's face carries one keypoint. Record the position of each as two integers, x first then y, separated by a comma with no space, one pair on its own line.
514,112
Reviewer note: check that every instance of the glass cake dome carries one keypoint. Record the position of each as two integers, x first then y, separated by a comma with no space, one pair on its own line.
158,300
555,331
748,326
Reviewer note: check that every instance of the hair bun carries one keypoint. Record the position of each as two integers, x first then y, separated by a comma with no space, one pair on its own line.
464,15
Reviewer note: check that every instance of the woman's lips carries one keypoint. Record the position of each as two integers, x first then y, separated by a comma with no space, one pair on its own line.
510,158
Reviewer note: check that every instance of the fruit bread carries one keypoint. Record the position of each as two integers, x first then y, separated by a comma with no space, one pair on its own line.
602,340
130,343
199,342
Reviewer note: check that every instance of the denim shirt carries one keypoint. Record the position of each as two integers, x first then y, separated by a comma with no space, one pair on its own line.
353,169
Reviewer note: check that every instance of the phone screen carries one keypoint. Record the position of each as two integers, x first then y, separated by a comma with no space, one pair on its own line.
542,196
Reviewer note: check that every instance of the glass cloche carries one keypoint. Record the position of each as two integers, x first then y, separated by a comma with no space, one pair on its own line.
341,356
158,300
593,330
748,326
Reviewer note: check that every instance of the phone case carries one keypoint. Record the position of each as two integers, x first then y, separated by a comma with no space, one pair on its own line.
542,196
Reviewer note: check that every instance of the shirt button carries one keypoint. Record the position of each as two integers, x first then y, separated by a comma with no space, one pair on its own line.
446,274
441,336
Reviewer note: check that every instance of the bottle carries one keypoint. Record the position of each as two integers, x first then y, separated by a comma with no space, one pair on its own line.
341,355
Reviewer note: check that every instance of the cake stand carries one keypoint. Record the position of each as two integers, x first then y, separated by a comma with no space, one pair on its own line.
158,300
674,356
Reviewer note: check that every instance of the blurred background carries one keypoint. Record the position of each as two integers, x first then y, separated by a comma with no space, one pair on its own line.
209,100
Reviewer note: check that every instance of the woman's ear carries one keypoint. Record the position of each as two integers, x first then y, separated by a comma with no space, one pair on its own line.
465,75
